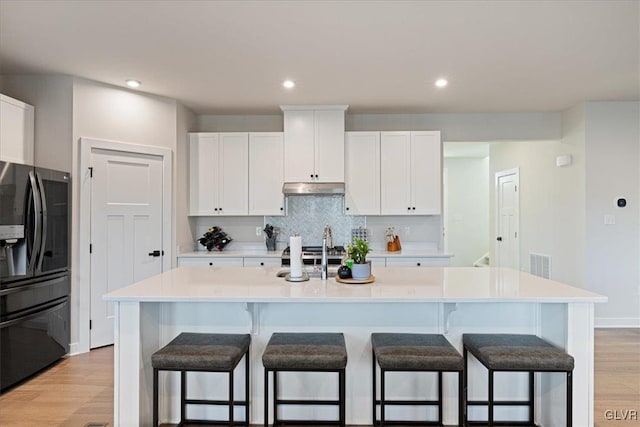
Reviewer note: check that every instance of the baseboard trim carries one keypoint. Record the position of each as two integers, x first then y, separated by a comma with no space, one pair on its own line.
74,348
617,322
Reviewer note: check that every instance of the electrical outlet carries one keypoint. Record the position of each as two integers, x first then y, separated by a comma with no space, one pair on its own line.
609,219
258,231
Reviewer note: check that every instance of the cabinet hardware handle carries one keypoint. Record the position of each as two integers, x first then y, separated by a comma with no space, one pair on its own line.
418,264
281,208
311,176
409,208
316,176
262,263
210,263
414,208
347,207
215,209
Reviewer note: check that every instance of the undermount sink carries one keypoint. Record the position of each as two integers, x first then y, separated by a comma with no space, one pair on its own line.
315,273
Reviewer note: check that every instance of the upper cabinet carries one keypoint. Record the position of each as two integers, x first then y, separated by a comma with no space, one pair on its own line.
410,173
266,173
362,173
219,173
314,143
16,131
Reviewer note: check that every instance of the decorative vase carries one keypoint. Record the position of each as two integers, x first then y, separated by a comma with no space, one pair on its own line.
361,271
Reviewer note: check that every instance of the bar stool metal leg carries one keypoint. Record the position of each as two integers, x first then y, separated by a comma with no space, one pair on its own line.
246,388
532,396
374,385
465,385
440,397
266,397
461,402
490,409
382,372
275,398
155,398
569,398
342,397
231,398
183,396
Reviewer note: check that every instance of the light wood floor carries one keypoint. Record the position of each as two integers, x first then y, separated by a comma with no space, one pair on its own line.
78,391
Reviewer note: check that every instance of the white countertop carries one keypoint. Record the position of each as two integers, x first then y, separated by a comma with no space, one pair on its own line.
263,253
433,284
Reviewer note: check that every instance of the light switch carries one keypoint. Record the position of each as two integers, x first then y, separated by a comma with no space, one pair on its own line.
258,231
609,220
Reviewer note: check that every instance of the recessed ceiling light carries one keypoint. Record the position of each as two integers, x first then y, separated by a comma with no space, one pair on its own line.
288,84
441,82
133,83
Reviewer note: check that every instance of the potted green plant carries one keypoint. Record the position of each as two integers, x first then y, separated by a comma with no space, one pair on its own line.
361,269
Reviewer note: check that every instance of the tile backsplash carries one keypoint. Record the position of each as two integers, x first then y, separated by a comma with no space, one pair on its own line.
307,216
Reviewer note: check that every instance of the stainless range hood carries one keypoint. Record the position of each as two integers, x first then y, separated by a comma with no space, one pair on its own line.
313,188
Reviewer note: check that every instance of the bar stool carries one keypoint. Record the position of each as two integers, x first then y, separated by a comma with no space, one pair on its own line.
304,352
516,353
190,352
413,353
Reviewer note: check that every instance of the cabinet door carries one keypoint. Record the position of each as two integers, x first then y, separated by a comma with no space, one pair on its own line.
299,134
329,146
262,262
266,173
362,173
395,173
234,174
203,174
426,173
418,262
210,261
16,131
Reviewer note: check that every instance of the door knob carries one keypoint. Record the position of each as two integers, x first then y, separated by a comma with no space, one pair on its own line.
154,253
499,238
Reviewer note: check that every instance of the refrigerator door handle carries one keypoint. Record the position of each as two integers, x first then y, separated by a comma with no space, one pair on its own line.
37,233
43,233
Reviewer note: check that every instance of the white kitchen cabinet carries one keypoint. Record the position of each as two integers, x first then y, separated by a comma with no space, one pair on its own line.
418,262
219,174
314,143
16,131
266,173
210,261
410,173
262,262
362,173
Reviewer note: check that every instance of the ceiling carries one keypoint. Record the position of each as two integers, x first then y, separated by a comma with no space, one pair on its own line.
219,57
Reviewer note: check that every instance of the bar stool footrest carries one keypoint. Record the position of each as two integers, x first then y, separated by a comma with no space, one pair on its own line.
499,403
214,402
408,402
214,423
308,422
503,423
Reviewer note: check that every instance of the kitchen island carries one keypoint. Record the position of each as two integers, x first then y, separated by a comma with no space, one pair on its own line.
451,301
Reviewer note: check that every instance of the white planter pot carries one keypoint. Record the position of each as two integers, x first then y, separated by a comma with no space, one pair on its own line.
361,271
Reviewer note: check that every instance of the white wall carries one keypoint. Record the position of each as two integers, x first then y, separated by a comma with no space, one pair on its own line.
454,126
112,113
52,97
612,251
467,209
549,204
183,233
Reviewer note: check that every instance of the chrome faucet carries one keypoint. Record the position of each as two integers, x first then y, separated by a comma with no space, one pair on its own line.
327,243
328,234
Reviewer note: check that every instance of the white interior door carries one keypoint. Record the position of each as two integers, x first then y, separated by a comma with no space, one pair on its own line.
126,229
507,219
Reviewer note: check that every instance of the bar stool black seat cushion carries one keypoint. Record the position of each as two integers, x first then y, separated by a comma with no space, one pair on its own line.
415,352
305,351
193,351
517,352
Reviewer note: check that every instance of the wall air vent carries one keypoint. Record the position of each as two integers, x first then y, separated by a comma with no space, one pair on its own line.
540,265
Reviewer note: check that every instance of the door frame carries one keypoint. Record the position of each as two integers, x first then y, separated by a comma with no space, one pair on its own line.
498,175
86,146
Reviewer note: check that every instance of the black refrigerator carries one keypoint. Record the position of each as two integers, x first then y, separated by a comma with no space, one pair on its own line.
35,218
